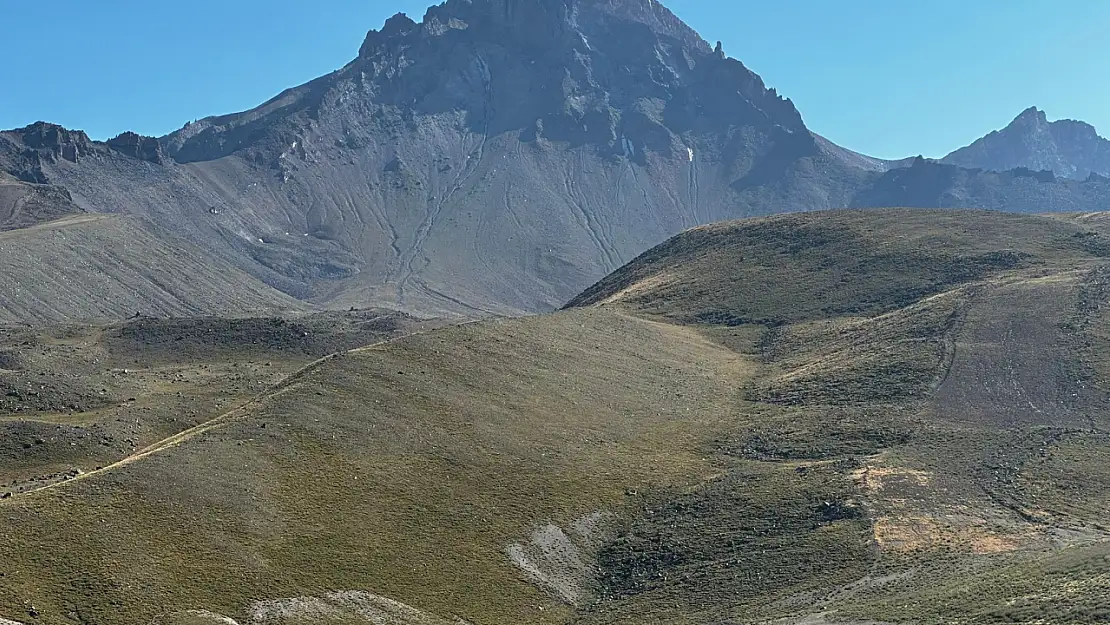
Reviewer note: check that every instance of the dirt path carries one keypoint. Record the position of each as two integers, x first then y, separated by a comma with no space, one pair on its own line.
185,435
239,411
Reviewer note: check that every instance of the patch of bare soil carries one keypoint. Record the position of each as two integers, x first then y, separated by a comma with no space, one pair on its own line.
347,606
822,618
198,617
561,563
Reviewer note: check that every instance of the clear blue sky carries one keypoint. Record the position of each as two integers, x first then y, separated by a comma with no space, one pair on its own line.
890,78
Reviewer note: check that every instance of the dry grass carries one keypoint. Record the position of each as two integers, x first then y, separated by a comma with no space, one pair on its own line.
403,469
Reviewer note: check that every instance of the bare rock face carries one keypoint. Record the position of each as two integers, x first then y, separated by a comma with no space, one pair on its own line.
51,141
1067,148
138,147
615,75
25,152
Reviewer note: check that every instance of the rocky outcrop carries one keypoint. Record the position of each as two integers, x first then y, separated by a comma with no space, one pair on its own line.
26,153
394,29
53,142
1067,148
139,147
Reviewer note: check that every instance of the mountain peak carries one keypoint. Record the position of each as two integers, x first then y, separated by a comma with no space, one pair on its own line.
526,19
1067,148
397,26
55,141
581,67
398,23
1031,115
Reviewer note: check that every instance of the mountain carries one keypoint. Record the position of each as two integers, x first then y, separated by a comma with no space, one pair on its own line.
1067,148
843,416
497,157
929,184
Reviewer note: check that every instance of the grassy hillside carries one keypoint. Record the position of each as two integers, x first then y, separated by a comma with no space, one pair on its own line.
949,363
847,417
834,263
76,397
405,470
111,267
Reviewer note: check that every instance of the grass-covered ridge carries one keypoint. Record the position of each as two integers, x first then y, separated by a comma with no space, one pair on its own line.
798,267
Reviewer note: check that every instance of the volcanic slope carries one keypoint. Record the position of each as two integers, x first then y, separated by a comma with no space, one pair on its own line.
499,156
96,266
867,416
